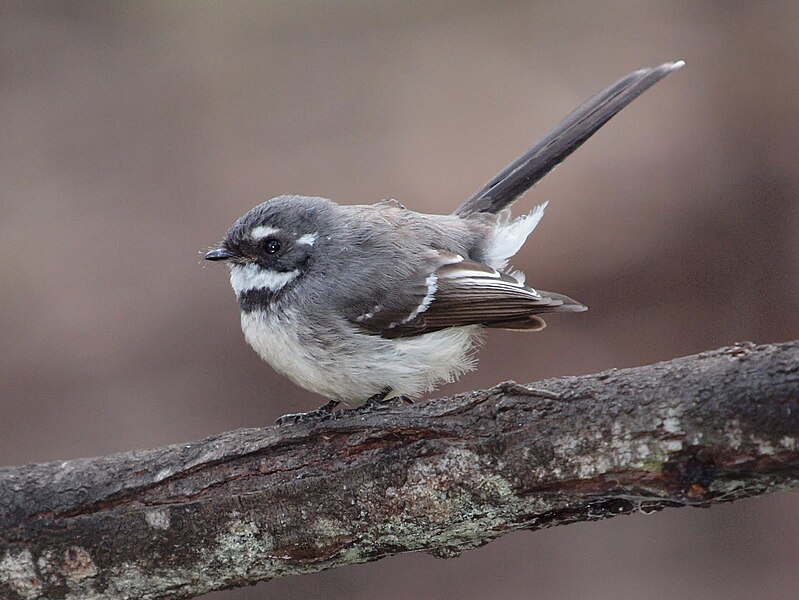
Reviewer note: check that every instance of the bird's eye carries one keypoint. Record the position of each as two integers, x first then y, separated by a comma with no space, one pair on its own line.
271,246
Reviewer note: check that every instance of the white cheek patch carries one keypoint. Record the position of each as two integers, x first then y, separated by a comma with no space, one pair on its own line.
260,232
244,278
309,239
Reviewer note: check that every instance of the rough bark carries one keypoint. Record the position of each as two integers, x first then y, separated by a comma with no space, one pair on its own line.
440,477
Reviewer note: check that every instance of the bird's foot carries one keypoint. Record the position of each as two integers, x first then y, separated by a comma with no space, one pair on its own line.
379,402
325,412
322,413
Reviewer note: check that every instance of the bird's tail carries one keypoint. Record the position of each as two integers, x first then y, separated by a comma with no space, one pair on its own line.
553,148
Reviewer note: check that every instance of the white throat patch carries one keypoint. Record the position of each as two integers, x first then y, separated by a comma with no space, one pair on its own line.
244,278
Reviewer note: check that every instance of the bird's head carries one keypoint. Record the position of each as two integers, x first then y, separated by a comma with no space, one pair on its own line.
271,246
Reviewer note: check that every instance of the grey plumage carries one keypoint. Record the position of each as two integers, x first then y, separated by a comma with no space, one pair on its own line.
357,301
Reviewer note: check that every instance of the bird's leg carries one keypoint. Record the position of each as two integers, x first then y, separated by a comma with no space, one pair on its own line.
379,398
320,414
326,411
377,402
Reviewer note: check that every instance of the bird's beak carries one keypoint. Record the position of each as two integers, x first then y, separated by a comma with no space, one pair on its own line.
218,254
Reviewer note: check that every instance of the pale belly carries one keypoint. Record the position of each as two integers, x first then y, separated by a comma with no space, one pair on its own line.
344,364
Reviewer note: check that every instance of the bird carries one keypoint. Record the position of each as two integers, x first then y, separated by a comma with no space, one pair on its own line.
363,304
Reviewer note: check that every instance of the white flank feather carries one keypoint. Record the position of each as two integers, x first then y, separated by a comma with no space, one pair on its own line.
510,237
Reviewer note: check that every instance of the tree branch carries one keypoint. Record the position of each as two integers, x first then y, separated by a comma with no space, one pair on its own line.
441,477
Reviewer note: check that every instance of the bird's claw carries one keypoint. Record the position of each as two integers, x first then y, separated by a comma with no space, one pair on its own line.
323,413
380,402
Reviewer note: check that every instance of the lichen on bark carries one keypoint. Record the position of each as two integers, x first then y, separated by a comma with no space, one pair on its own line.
440,477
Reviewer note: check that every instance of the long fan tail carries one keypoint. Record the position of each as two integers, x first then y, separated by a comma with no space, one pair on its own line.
553,148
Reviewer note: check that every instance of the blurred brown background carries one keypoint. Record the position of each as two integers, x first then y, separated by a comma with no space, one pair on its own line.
133,134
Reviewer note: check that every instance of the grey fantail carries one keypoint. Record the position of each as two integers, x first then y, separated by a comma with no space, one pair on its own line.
369,302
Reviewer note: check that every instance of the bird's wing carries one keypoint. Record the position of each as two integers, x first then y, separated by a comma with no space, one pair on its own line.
455,292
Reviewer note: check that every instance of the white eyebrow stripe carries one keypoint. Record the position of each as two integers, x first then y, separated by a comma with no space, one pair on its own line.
262,231
308,239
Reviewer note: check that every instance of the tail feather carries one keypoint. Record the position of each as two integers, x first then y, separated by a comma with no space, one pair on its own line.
535,321
564,139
